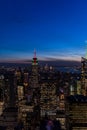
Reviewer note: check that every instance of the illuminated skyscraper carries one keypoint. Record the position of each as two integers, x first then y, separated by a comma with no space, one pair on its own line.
26,81
48,100
30,105
79,87
2,93
2,88
33,83
34,76
84,76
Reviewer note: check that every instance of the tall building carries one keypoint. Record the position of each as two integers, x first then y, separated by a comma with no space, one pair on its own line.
2,93
34,80
84,76
78,87
11,89
35,88
34,75
20,92
48,99
2,87
26,81
8,117
76,112
29,106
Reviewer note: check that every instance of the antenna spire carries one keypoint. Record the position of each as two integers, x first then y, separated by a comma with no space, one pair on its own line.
34,53
35,60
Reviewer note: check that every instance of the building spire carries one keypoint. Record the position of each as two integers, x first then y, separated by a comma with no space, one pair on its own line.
34,53
35,60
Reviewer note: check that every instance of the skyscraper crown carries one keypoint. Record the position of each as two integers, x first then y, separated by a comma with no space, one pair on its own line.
35,60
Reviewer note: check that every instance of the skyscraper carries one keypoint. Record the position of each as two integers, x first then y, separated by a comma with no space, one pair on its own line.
11,89
84,76
34,75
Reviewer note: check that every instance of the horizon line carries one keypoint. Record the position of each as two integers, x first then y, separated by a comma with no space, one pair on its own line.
40,60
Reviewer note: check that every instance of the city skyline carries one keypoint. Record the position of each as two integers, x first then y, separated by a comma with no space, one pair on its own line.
56,29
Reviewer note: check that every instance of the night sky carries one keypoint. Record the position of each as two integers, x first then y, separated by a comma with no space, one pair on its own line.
57,29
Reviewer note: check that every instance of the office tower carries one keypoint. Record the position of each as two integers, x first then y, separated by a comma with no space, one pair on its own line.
10,111
35,87
2,87
11,89
48,89
2,93
29,109
76,112
78,87
48,102
20,92
34,75
25,81
84,76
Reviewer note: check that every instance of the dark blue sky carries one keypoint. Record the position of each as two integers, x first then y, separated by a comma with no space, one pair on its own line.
57,29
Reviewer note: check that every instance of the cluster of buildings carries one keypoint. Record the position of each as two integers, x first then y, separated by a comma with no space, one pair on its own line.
31,94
